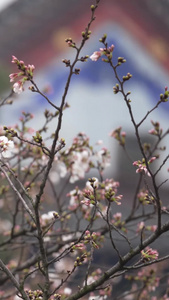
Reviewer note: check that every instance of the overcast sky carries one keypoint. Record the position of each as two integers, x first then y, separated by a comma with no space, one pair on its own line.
5,3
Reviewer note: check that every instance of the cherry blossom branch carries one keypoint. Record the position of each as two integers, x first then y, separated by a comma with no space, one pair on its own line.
127,101
118,266
52,154
146,264
71,67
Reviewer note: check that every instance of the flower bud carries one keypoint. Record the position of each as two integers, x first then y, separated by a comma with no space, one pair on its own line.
161,96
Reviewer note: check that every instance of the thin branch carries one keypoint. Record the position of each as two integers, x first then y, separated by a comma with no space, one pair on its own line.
18,194
149,112
13,280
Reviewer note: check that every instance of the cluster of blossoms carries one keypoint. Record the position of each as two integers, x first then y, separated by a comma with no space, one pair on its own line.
25,73
96,192
89,192
35,295
70,42
109,191
142,165
94,238
144,197
76,159
80,164
80,158
6,147
149,254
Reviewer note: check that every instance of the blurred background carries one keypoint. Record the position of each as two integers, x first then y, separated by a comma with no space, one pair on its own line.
35,31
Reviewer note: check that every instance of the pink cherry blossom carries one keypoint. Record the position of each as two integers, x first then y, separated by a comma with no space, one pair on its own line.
25,72
141,167
6,147
14,59
13,76
95,56
152,159
111,48
152,131
31,67
18,87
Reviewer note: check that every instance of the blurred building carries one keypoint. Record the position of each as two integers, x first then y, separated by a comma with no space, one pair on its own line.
35,32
